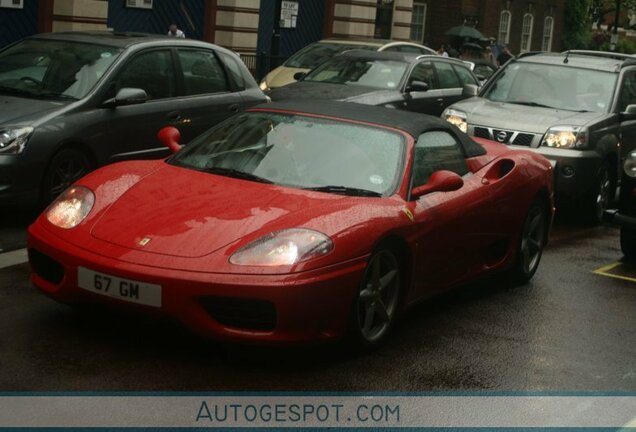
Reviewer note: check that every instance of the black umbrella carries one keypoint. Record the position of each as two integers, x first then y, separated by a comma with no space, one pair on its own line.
473,46
464,32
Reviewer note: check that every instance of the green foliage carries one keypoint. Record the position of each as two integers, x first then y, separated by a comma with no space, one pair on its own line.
578,22
625,46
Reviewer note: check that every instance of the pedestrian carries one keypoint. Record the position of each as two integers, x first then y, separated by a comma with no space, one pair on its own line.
175,32
504,56
442,51
489,56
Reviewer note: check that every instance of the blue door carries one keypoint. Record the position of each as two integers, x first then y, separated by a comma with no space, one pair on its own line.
16,24
187,15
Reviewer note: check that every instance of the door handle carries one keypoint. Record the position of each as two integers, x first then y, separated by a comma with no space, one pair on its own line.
174,116
234,108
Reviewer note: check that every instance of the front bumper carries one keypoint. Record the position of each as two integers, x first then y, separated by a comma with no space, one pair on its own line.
309,306
621,219
19,180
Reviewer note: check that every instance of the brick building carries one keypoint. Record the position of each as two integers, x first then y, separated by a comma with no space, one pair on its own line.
248,26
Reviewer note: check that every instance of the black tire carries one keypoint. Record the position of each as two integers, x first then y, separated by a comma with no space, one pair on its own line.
598,199
376,302
66,167
628,243
531,243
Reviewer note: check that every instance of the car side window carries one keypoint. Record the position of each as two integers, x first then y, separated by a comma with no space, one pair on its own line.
202,72
234,69
465,76
446,75
628,90
434,151
151,71
424,72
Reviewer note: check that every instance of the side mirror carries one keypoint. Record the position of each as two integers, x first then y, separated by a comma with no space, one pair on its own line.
470,90
629,113
127,96
170,137
416,86
298,76
440,181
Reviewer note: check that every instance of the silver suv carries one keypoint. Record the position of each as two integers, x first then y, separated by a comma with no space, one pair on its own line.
574,108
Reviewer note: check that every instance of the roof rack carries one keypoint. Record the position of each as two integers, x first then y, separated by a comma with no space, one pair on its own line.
603,54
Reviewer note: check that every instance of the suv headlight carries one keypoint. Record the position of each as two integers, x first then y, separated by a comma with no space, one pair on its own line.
565,137
629,166
13,139
458,118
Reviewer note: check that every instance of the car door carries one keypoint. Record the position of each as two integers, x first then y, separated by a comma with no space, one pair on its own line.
449,82
131,130
447,225
210,91
430,101
627,128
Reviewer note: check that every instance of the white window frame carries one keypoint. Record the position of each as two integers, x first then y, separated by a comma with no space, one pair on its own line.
526,32
417,25
548,32
505,18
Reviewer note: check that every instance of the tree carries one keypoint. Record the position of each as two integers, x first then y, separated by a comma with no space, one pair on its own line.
578,23
603,12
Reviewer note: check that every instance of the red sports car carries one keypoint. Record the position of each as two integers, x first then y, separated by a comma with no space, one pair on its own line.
296,222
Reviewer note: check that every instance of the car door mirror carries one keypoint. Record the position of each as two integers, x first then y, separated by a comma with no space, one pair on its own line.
417,86
440,181
170,137
127,96
470,90
298,76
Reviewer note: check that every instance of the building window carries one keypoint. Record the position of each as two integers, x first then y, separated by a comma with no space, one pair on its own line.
526,32
548,28
504,26
418,20
383,19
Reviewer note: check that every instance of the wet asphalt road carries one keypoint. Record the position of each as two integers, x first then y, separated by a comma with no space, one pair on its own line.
568,329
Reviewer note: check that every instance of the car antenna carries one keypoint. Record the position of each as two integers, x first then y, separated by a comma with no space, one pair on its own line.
567,54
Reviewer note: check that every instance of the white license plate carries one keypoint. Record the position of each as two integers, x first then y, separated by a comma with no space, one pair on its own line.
123,289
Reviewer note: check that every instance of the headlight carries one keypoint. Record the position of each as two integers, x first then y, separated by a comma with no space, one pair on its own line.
565,137
13,139
263,85
458,118
630,165
281,248
70,208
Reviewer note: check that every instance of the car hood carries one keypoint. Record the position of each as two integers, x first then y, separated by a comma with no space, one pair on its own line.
281,76
482,112
15,110
156,215
326,91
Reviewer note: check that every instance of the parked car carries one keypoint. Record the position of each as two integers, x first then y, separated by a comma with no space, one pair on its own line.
625,213
483,69
571,107
314,54
297,221
421,83
73,101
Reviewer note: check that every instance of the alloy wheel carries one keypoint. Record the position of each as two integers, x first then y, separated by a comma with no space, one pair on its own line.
532,239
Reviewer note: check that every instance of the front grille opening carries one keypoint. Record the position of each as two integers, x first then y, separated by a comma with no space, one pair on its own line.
481,132
253,314
523,139
46,267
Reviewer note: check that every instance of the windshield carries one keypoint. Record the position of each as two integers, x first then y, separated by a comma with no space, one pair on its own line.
300,151
376,73
314,54
553,86
56,69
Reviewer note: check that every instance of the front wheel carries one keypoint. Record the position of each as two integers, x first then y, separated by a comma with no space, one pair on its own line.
67,166
375,305
628,243
531,244
597,201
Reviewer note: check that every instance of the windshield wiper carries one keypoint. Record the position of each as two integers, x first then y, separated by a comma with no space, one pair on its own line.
231,172
344,190
12,90
533,104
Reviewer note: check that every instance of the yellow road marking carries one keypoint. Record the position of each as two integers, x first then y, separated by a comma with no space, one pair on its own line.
604,271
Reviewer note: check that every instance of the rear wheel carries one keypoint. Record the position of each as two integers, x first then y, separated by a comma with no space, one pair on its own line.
531,244
67,166
375,305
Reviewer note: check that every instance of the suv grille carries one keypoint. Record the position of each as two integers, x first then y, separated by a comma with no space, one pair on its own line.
504,136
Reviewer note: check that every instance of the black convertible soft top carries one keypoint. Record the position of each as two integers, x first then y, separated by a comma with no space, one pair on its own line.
412,123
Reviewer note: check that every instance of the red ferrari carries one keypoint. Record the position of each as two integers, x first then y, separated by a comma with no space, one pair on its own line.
296,222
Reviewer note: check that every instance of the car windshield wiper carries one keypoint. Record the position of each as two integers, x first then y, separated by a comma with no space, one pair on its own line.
4,89
533,104
344,190
231,172
55,95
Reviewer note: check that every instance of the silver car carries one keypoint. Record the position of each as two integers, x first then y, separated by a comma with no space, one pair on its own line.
573,108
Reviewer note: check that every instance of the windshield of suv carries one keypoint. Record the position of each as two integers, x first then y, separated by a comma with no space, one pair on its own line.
560,87
314,54
53,69
376,73
299,151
